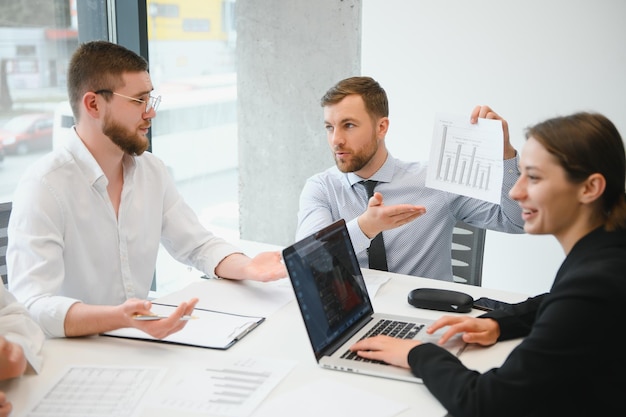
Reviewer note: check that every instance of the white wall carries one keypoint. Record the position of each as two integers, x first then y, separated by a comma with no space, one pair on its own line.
529,60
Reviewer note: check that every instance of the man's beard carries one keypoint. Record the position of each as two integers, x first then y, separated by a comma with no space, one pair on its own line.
132,144
358,159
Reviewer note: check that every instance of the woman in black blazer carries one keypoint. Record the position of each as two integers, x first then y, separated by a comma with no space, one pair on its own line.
570,362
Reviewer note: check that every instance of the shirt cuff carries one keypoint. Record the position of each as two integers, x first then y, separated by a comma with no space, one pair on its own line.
31,345
360,241
511,169
50,313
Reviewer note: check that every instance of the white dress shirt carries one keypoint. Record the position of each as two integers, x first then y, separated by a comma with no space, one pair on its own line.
67,245
421,247
18,327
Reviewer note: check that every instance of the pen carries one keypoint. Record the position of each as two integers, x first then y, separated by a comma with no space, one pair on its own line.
159,317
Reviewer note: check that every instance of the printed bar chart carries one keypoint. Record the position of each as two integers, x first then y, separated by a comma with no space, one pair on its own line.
467,158
459,164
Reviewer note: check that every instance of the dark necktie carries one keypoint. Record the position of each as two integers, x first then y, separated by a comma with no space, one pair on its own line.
376,251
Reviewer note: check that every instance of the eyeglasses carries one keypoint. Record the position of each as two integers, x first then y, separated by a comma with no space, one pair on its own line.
151,103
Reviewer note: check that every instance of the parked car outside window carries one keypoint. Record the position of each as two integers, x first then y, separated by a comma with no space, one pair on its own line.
26,133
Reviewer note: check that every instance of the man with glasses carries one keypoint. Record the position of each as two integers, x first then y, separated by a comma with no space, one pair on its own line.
151,103
88,218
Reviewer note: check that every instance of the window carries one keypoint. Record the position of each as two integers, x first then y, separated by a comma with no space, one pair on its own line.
25,50
37,41
192,64
193,68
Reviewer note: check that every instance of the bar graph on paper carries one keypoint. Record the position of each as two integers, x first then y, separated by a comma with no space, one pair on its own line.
466,158
227,389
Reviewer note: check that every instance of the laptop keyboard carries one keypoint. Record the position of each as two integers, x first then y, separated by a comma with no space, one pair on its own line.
399,329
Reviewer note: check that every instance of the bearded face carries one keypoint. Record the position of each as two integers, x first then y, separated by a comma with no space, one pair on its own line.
129,141
352,160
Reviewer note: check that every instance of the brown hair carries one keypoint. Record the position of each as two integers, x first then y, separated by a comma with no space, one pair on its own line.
371,92
99,65
584,144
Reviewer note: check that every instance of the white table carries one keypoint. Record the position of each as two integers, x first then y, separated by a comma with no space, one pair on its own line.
281,336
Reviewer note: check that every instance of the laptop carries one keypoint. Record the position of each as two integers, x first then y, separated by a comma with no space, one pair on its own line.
336,308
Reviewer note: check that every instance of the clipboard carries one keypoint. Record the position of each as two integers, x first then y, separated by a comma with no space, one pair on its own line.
210,329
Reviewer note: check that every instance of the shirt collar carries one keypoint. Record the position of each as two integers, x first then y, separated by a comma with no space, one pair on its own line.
88,164
384,173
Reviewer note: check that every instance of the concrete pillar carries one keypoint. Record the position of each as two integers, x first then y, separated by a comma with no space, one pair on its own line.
289,52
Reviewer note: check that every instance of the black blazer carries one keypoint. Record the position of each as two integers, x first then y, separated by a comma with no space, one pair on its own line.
570,362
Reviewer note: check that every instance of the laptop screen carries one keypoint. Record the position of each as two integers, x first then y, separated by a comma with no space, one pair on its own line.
328,284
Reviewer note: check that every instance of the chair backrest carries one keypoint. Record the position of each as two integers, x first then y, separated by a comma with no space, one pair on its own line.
468,244
5,212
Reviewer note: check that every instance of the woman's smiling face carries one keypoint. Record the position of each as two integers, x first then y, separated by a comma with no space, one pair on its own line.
549,201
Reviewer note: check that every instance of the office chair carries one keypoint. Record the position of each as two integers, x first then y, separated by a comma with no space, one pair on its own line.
5,212
468,244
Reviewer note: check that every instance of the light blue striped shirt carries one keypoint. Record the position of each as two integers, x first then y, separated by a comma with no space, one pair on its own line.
421,247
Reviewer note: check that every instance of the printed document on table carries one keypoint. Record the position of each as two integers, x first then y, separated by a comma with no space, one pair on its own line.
465,158
231,388
97,391
329,398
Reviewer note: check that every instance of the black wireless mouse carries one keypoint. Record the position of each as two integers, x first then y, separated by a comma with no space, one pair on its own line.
442,300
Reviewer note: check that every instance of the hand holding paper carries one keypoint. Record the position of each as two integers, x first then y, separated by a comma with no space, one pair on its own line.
486,112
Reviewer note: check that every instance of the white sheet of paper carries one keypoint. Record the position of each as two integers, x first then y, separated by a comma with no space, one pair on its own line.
466,158
248,298
374,281
328,398
97,391
231,389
